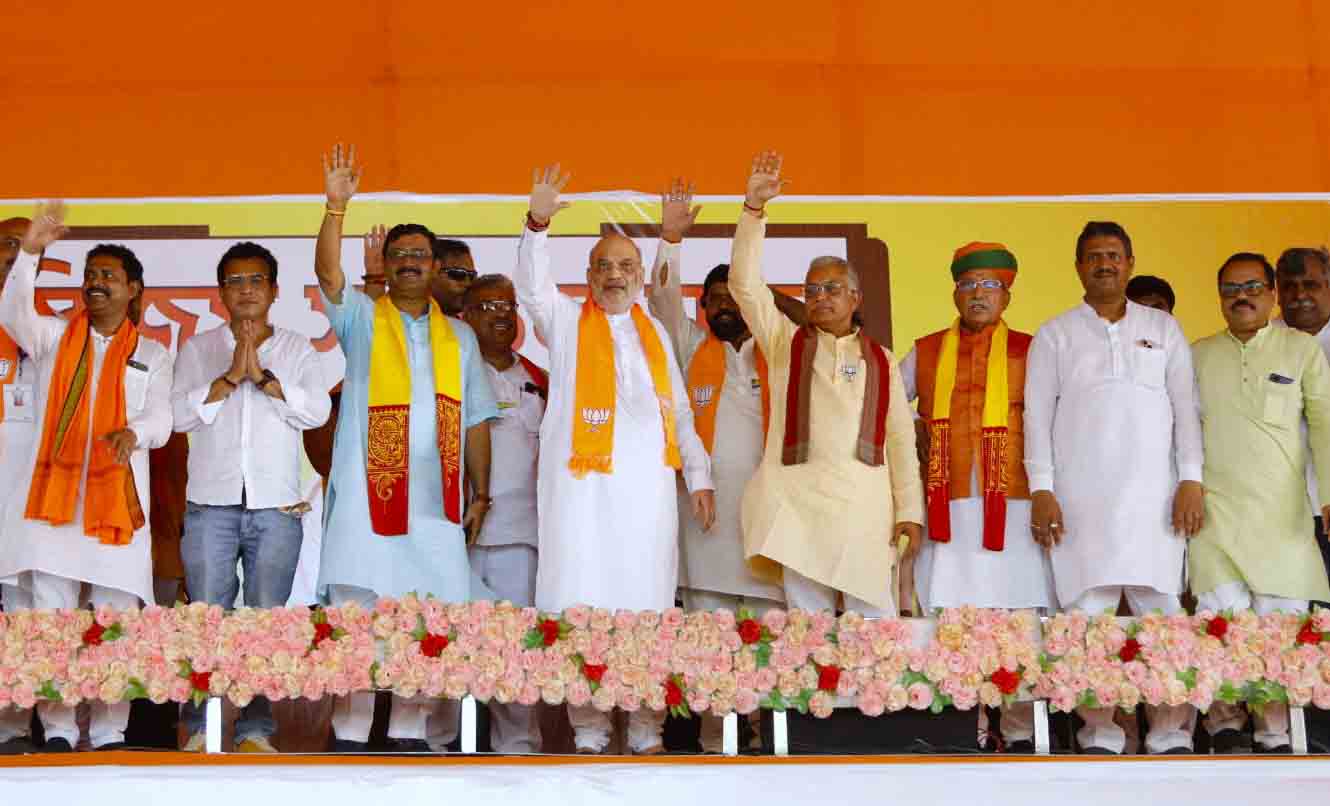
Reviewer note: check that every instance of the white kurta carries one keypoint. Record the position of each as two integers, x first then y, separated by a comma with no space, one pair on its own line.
18,432
606,540
30,545
1111,426
514,446
962,571
714,560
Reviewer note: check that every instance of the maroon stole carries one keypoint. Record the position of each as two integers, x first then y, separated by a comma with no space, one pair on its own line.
870,448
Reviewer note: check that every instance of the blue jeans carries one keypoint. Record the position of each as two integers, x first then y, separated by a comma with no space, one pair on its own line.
267,543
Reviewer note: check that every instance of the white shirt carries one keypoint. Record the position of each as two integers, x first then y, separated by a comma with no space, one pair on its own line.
608,539
18,431
514,447
248,444
1111,427
714,560
64,550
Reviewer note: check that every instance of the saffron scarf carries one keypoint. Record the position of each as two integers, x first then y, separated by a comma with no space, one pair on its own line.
111,508
993,443
388,452
706,379
870,447
595,393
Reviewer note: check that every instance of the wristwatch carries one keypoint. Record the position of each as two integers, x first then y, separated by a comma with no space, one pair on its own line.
268,378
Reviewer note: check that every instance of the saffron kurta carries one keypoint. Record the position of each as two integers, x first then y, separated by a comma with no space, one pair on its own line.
714,561
431,557
1110,428
64,550
1253,399
607,539
831,518
962,571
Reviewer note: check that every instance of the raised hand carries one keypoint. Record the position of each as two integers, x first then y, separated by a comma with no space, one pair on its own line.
47,227
374,250
546,185
341,176
764,182
677,212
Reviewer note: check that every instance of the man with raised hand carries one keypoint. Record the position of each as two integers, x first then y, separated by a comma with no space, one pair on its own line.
103,400
1113,454
970,383
838,485
414,416
617,428
1257,550
726,378
246,392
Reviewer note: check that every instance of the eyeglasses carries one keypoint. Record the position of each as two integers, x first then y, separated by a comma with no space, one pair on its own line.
401,254
495,306
239,281
459,274
626,266
1251,288
832,289
987,285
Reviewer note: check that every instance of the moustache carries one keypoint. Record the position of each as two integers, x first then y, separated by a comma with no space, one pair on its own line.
96,289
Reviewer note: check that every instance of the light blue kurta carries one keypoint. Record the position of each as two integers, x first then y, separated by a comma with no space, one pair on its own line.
431,557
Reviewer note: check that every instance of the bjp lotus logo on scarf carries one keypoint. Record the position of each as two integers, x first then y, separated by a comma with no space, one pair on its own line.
595,418
702,395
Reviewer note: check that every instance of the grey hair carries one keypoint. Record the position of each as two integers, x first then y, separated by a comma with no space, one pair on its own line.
487,281
840,263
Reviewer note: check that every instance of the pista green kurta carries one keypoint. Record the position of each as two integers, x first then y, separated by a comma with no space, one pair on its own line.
1258,525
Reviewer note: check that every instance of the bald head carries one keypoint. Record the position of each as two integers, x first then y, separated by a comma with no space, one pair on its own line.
615,273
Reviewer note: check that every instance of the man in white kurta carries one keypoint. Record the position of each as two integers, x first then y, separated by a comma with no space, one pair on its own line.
606,539
17,376
49,564
1113,453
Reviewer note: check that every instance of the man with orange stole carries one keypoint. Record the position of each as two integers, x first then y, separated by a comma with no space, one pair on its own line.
103,401
617,428
414,416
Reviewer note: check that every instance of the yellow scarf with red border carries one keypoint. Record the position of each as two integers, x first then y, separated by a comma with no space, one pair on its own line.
388,453
993,443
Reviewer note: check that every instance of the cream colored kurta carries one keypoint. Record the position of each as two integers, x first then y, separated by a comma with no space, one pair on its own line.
1253,397
714,560
831,518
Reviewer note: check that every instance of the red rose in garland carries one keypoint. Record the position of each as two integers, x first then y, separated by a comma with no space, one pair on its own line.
750,632
828,678
322,632
432,645
673,694
549,631
594,671
1129,650
1217,628
1308,634
200,681
1006,680
93,635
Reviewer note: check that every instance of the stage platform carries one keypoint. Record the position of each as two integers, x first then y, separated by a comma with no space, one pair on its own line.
174,779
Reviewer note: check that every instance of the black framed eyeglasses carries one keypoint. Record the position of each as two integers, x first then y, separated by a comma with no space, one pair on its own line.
495,306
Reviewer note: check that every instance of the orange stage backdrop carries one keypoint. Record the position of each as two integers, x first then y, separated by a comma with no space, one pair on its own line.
959,97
